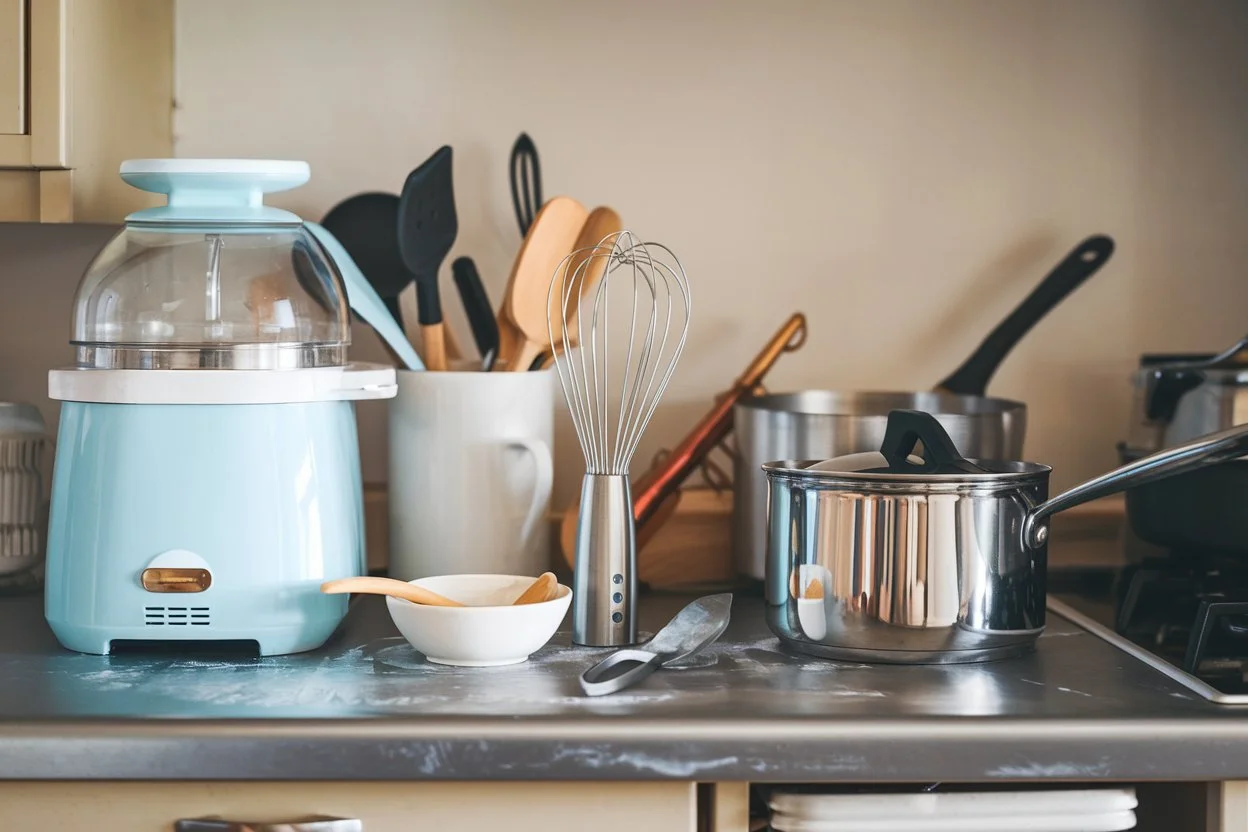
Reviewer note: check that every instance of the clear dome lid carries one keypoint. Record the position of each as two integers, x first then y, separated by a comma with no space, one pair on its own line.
214,279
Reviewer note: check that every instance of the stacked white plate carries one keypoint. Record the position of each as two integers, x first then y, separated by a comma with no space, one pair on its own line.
1073,810
21,487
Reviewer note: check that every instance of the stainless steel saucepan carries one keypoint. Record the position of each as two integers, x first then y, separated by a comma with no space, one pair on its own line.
889,557
817,424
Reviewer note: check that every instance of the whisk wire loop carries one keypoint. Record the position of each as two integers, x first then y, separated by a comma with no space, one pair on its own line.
610,420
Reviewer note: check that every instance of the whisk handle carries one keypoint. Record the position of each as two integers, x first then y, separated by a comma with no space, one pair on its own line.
604,597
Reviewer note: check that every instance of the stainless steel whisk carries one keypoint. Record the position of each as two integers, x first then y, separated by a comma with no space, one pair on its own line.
610,411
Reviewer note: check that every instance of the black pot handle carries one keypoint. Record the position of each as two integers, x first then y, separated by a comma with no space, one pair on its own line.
1165,388
971,379
905,429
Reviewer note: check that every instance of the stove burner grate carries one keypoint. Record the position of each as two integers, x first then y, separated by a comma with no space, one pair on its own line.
1193,610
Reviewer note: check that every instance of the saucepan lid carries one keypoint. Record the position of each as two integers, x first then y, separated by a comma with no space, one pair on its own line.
916,448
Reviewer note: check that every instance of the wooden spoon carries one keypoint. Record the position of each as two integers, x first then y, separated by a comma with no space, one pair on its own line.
545,588
601,222
388,586
523,327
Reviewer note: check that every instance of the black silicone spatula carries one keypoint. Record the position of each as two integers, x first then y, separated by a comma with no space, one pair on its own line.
427,230
367,227
478,309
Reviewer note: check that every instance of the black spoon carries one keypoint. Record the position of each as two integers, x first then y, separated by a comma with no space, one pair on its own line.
367,226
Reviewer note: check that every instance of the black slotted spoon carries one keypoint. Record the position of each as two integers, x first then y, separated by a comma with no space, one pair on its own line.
526,181
427,230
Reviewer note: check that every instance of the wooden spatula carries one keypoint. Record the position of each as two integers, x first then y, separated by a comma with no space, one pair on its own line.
523,332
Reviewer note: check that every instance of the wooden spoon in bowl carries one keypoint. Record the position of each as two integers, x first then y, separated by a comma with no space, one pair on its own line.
545,588
389,586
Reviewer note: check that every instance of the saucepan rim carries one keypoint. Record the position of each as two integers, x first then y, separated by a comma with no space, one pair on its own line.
1015,473
791,403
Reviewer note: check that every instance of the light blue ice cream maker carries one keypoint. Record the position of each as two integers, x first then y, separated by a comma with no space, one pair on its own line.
207,474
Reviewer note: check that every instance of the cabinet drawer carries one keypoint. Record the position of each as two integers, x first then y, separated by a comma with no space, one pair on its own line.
36,196
19,196
381,807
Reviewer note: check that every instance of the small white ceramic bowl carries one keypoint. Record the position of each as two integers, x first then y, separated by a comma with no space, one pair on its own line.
487,632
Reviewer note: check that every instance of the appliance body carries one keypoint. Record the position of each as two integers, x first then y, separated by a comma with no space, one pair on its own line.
207,476
264,498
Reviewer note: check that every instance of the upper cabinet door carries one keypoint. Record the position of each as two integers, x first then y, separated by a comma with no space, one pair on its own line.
32,84
13,60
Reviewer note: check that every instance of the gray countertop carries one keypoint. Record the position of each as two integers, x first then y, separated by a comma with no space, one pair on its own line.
368,707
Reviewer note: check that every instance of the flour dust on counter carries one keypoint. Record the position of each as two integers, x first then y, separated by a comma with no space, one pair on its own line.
368,706
385,675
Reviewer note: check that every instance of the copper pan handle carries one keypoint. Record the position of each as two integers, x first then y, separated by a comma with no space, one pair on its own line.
788,338
657,484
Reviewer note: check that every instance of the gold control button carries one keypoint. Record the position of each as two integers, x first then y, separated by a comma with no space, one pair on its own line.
176,580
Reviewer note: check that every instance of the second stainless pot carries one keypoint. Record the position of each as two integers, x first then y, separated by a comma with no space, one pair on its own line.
1180,397
819,424
882,557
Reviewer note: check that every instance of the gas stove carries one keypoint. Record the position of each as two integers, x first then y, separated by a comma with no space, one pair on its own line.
1184,614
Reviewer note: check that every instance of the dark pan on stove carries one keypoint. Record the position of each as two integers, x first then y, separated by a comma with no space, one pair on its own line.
1203,513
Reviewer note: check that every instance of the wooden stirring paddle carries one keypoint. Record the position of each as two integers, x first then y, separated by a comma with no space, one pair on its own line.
388,586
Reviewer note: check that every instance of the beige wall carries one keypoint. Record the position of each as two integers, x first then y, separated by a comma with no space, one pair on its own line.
903,172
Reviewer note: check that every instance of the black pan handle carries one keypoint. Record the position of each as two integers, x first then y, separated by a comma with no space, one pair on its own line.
907,428
971,379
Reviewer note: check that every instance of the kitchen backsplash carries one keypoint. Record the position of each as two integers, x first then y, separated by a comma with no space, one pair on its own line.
40,266
902,172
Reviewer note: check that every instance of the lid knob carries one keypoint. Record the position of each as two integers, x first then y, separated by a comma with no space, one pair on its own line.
214,190
906,429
